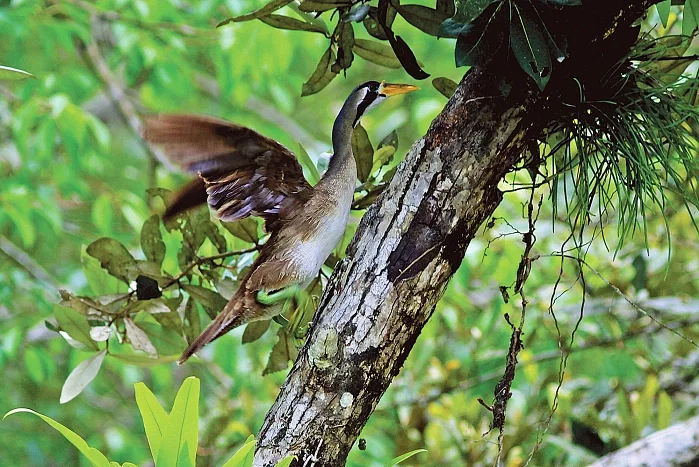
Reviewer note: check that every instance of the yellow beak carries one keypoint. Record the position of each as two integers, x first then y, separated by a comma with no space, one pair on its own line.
389,89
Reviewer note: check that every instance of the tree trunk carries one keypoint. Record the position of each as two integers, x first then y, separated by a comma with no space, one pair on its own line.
676,446
407,247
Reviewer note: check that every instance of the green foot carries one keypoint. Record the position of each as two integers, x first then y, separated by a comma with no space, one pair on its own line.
274,296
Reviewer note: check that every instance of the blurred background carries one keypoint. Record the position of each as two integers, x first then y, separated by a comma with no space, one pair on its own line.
73,169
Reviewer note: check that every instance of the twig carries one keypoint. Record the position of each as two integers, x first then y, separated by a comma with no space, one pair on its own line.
203,260
27,262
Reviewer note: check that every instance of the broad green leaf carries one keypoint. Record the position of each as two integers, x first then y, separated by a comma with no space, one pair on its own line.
272,6
178,445
530,47
163,330
13,74
363,152
322,75
113,256
403,457
283,352
451,28
382,156
345,44
445,86
376,52
468,10
75,325
286,462
690,17
244,229
100,281
153,415
254,330
423,18
664,11
206,296
292,24
95,457
390,139
81,376
243,457
308,166
152,240
322,5
23,223
139,339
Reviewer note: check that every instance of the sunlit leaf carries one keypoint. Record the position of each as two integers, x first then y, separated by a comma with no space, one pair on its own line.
272,6
81,376
403,457
96,458
142,360
243,457
178,444
153,415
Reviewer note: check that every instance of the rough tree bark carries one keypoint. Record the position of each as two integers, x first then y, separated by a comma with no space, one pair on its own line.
407,247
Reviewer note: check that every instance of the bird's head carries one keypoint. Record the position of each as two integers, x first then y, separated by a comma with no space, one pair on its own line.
366,96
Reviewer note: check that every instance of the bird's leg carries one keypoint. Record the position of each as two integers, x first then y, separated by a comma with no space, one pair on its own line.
274,296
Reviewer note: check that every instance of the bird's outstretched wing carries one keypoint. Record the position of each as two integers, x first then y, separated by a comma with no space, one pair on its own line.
243,172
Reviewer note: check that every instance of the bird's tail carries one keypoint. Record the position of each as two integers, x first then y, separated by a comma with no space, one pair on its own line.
231,317
192,195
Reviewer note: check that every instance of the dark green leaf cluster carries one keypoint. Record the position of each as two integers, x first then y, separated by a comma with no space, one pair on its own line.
486,30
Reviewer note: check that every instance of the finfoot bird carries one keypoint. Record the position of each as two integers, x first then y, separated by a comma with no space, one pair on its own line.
241,174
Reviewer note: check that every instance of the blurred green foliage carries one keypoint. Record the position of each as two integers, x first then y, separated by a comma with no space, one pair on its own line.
74,173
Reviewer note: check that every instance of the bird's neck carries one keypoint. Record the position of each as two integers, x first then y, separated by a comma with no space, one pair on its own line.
342,161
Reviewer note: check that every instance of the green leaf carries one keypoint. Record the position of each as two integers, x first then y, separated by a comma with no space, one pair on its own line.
243,457
81,376
345,44
23,223
286,462
178,446
33,365
244,229
95,457
13,74
468,10
272,6
403,457
283,352
530,47
100,282
690,17
152,240
376,52
75,325
254,330
363,152
322,5
322,75
292,24
445,86
425,19
309,168
139,340
664,11
451,28
382,156
206,296
153,415
113,256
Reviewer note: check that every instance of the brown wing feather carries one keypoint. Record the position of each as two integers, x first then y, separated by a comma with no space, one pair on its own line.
244,173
